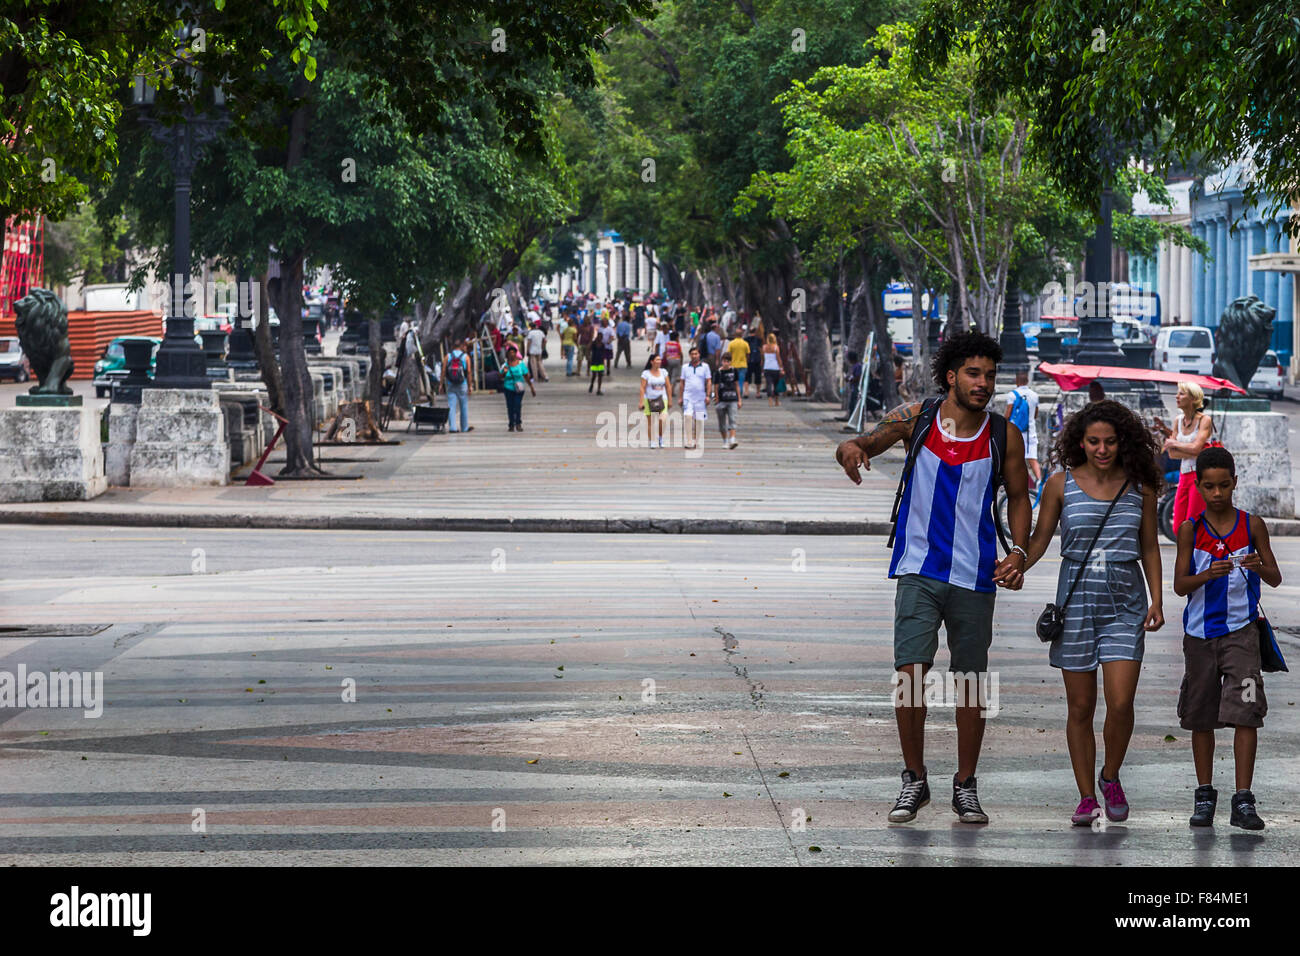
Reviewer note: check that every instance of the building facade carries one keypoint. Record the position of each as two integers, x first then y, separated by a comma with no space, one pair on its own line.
609,264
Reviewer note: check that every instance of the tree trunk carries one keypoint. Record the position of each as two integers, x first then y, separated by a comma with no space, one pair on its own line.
286,294
264,349
821,386
375,376
874,315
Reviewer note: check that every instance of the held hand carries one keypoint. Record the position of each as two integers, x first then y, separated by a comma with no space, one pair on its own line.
851,458
1010,572
1252,562
1218,569
1155,618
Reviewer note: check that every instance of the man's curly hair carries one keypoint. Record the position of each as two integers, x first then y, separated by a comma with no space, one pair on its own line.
1138,453
957,349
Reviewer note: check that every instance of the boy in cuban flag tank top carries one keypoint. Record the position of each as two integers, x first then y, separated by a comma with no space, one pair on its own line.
1223,558
945,558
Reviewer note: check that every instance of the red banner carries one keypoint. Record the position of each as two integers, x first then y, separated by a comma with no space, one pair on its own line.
22,267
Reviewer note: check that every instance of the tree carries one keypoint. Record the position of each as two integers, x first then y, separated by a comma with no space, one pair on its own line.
1105,79
286,185
62,68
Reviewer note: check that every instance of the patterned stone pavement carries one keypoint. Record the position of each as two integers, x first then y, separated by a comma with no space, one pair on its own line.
548,699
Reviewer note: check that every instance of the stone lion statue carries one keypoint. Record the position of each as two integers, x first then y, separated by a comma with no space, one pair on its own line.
1245,330
42,324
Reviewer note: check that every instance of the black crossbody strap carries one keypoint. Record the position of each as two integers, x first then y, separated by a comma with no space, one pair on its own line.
1083,567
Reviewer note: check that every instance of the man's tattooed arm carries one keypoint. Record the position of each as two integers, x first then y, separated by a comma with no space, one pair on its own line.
890,430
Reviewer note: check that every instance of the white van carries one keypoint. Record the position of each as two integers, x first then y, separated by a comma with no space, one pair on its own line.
1185,348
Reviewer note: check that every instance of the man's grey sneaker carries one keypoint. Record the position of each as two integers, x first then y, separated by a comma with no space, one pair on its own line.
1243,811
914,795
1207,799
966,801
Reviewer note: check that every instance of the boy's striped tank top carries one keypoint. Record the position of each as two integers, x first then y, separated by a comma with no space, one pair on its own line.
1225,604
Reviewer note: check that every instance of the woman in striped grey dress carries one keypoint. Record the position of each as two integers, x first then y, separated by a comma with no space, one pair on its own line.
1102,448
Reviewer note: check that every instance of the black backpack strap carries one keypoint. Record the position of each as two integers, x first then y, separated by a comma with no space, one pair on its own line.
929,412
998,436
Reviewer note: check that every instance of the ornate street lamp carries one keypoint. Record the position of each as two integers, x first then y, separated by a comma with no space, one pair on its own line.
181,362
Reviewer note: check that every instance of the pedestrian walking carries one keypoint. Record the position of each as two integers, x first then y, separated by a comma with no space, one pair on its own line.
754,358
536,344
696,391
513,379
458,383
945,551
729,398
656,399
1022,411
608,337
1223,555
569,343
1105,501
586,334
772,368
672,356
598,353
624,332
1194,432
738,349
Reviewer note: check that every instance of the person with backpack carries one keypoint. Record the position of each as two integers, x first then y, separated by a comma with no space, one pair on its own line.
457,377
1022,411
945,551
1105,501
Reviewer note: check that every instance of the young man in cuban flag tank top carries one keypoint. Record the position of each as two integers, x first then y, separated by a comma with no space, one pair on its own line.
945,556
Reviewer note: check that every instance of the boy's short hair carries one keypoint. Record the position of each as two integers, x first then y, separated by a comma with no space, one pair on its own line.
1215,458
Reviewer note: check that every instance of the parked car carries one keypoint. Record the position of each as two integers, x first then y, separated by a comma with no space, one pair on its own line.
1185,348
13,363
1125,329
112,365
1268,378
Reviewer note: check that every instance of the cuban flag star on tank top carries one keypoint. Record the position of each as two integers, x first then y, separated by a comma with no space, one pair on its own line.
1221,605
945,520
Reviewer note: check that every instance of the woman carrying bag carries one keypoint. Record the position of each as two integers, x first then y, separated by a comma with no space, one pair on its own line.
656,399
1105,500
513,378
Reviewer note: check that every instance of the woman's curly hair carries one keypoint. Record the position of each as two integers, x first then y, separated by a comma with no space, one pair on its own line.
1139,455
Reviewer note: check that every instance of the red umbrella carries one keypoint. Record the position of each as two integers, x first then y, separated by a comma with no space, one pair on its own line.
1070,377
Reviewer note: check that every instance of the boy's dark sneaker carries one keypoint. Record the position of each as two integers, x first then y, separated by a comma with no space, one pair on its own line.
1243,811
1207,799
966,801
914,795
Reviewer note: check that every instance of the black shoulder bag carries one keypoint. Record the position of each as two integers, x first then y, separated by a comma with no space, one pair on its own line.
1051,623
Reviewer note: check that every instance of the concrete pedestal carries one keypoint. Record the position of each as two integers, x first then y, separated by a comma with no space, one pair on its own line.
181,440
51,454
121,441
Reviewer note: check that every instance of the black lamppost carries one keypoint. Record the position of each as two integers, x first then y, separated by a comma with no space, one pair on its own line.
181,362
1096,338
1015,357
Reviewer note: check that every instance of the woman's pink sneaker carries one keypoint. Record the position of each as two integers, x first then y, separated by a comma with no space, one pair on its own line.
1116,802
1087,811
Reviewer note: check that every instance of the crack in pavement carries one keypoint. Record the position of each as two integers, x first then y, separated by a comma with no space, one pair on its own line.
729,645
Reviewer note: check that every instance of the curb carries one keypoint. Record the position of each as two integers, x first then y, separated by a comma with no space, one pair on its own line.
199,519
1278,527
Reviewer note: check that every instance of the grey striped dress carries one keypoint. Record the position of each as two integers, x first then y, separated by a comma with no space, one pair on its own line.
1104,619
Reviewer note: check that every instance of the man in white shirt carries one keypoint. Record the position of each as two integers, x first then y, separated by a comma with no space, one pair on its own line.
697,389
535,340
1028,428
